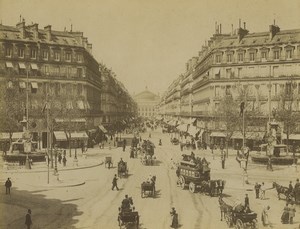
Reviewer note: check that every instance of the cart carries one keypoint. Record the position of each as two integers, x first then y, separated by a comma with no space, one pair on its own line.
108,162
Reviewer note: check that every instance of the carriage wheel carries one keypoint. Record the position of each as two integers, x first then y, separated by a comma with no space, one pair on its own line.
181,182
142,193
239,224
254,224
228,220
192,187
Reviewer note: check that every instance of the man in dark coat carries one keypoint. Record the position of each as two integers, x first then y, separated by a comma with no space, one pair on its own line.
8,185
247,201
114,183
124,145
28,221
257,188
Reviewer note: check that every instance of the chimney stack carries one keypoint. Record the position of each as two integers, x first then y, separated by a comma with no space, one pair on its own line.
48,32
21,28
242,33
35,29
84,42
273,30
90,48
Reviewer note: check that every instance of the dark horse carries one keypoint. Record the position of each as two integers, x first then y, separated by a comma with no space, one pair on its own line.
283,190
225,209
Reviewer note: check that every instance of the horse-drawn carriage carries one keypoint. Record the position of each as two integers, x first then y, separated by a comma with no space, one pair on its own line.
148,160
148,188
289,195
175,141
237,216
122,169
128,217
148,152
108,162
196,175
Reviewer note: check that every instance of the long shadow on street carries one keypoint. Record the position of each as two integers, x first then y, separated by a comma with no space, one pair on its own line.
46,213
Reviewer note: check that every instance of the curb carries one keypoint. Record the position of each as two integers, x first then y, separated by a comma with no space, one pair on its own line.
60,186
40,171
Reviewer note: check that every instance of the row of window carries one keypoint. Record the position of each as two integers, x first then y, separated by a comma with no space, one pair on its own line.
252,56
54,89
47,70
45,54
275,89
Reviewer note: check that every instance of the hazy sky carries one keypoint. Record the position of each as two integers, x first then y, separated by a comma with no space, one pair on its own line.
148,42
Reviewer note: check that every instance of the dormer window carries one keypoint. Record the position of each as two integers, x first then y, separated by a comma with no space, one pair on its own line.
218,59
33,53
45,54
229,58
57,56
289,54
276,54
264,55
68,56
8,51
21,52
252,56
241,57
79,57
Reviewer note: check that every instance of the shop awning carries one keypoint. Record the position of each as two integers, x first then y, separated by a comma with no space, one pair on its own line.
72,120
193,130
34,66
218,134
79,135
292,136
22,84
249,135
9,65
193,120
102,128
182,127
22,66
4,136
17,135
237,135
60,136
34,85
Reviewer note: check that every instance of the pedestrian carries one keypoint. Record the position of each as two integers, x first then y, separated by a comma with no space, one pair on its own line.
247,201
28,221
124,145
223,158
262,191
296,187
257,188
75,161
114,183
292,211
8,185
59,158
64,160
174,215
265,216
285,214
212,150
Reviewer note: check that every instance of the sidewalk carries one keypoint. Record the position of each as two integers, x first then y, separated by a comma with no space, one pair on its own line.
94,157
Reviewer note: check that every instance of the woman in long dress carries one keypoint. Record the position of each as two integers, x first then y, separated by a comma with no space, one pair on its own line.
285,215
265,216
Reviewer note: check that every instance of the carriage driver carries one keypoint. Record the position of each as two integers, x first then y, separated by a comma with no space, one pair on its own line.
126,203
121,161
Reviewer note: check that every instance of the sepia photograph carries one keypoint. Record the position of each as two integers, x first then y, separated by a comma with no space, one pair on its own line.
149,114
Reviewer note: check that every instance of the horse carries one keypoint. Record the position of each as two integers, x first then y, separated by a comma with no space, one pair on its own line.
282,190
224,208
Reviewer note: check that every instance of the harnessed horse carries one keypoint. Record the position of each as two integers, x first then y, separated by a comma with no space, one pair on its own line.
282,190
224,208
